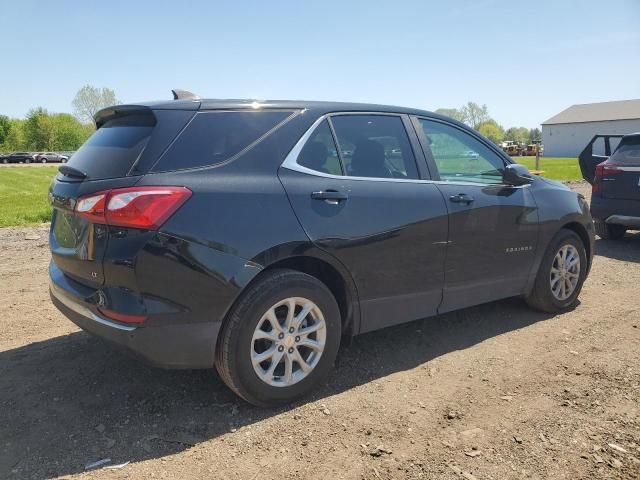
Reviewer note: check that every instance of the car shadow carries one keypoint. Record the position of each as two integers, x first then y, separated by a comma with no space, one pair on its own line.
627,249
72,399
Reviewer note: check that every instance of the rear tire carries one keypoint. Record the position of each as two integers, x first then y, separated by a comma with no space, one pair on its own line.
545,295
249,333
609,231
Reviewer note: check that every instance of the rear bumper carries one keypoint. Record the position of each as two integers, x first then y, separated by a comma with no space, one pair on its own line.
183,345
625,220
615,210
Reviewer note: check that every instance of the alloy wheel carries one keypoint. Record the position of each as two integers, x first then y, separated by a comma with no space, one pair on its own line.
288,342
565,272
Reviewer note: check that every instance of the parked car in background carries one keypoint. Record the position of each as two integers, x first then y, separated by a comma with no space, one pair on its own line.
615,184
18,157
470,154
201,233
49,157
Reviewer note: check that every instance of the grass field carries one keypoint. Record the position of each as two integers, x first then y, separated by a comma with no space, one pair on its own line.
554,168
23,195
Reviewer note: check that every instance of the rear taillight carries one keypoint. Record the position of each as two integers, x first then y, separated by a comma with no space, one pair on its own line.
137,207
603,170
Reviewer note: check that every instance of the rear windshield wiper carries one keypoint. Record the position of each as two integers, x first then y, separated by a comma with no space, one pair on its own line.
71,172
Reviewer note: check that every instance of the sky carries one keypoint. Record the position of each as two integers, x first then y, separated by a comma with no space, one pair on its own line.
526,61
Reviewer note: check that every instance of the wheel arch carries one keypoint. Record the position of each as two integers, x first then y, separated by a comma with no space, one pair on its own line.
341,288
582,232
571,224
313,262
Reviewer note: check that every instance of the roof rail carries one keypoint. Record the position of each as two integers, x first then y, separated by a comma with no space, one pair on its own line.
184,94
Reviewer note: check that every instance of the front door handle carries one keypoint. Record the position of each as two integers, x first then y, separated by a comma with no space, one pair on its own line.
330,196
461,198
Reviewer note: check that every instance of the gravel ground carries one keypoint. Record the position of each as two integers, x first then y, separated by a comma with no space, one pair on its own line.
490,392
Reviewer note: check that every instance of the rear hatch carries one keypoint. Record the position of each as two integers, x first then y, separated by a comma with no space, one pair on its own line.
620,174
127,142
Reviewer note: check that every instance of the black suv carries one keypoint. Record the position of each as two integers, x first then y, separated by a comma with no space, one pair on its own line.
18,157
252,236
615,183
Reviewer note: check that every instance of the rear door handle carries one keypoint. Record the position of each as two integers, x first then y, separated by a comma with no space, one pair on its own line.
461,198
330,196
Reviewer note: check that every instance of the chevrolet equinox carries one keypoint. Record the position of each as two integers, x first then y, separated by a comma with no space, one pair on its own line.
252,236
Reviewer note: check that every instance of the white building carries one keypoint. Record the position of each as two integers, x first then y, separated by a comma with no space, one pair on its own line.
568,132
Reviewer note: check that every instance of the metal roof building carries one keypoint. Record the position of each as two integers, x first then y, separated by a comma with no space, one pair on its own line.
568,132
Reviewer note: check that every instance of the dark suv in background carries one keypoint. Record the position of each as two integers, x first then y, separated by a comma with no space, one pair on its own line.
252,236
615,181
18,157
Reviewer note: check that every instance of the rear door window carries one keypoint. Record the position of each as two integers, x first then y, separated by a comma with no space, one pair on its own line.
375,146
215,137
113,149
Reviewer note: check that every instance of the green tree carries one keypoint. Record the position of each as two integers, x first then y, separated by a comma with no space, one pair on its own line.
517,134
60,131
68,132
475,114
5,125
492,130
89,100
451,113
39,130
15,139
534,135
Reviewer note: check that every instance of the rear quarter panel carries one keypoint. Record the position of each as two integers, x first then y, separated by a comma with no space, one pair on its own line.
237,222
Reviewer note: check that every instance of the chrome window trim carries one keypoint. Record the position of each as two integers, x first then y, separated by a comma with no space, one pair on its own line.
291,160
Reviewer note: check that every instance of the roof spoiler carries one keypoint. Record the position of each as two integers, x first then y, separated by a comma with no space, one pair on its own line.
184,95
109,113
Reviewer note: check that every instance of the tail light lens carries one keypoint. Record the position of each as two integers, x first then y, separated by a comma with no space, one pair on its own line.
604,169
137,207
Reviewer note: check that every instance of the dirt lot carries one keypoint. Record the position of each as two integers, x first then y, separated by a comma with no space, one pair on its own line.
491,392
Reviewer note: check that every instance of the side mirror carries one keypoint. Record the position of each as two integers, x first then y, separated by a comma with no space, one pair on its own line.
516,175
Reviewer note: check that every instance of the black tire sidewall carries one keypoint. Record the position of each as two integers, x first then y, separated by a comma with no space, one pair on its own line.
240,368
565,237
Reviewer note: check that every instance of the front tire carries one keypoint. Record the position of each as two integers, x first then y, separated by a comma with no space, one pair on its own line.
561,274
280,340
609,231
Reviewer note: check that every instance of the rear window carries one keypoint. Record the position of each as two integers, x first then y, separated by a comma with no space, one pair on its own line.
113,149
628,153
214,137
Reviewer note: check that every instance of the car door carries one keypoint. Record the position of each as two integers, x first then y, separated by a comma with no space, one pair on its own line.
355,186
597,151
492,227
